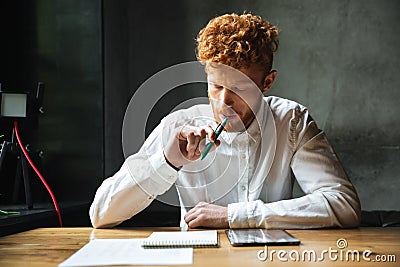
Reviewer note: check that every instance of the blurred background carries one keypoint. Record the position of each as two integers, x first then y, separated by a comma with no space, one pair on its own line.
339,58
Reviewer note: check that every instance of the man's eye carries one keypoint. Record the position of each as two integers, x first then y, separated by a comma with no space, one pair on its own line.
217,86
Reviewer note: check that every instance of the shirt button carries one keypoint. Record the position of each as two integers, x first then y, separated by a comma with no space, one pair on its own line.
243,187
243,156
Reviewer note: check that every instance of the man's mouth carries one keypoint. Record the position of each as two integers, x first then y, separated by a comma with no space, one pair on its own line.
229,116
227,113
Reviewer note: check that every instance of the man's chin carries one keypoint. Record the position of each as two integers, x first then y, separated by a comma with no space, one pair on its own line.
235,127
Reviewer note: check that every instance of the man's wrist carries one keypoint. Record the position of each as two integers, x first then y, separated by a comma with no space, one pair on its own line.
172,165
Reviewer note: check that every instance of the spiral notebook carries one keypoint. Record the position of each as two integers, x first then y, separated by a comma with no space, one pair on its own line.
194,239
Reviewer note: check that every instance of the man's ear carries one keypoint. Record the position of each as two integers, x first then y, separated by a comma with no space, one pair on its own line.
269,80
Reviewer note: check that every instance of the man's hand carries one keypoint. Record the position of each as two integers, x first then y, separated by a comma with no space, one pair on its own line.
207,215
187,144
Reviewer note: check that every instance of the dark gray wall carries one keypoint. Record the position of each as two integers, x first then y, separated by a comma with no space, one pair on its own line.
340,58
58,43
139,41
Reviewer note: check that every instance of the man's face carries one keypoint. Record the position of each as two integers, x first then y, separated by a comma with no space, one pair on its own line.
235,94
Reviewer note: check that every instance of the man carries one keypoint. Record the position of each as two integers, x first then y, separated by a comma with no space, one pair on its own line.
246,181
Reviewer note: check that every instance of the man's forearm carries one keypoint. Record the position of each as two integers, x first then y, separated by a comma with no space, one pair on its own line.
131,189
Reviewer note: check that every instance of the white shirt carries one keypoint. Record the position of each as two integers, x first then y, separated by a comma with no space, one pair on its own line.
252,173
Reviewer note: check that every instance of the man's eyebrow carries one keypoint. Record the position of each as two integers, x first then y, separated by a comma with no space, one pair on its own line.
243,82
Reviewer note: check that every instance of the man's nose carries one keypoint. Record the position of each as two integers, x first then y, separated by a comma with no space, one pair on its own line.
226,96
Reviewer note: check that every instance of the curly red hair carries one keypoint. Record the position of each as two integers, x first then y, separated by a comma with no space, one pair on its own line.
238,41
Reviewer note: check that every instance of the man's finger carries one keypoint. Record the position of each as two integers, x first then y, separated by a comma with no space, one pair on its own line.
210,133
190,215
198,221
190,144
196,146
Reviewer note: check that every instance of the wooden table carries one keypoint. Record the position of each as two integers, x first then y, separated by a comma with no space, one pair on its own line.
51,246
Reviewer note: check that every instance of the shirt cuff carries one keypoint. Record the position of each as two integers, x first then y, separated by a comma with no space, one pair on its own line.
237,215
163,172
243,215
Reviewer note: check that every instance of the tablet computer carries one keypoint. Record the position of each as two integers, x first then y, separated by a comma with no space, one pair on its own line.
260,237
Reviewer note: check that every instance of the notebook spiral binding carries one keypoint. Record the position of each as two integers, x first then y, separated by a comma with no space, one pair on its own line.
178,243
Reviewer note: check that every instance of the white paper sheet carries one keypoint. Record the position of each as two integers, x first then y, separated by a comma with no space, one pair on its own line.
126,252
